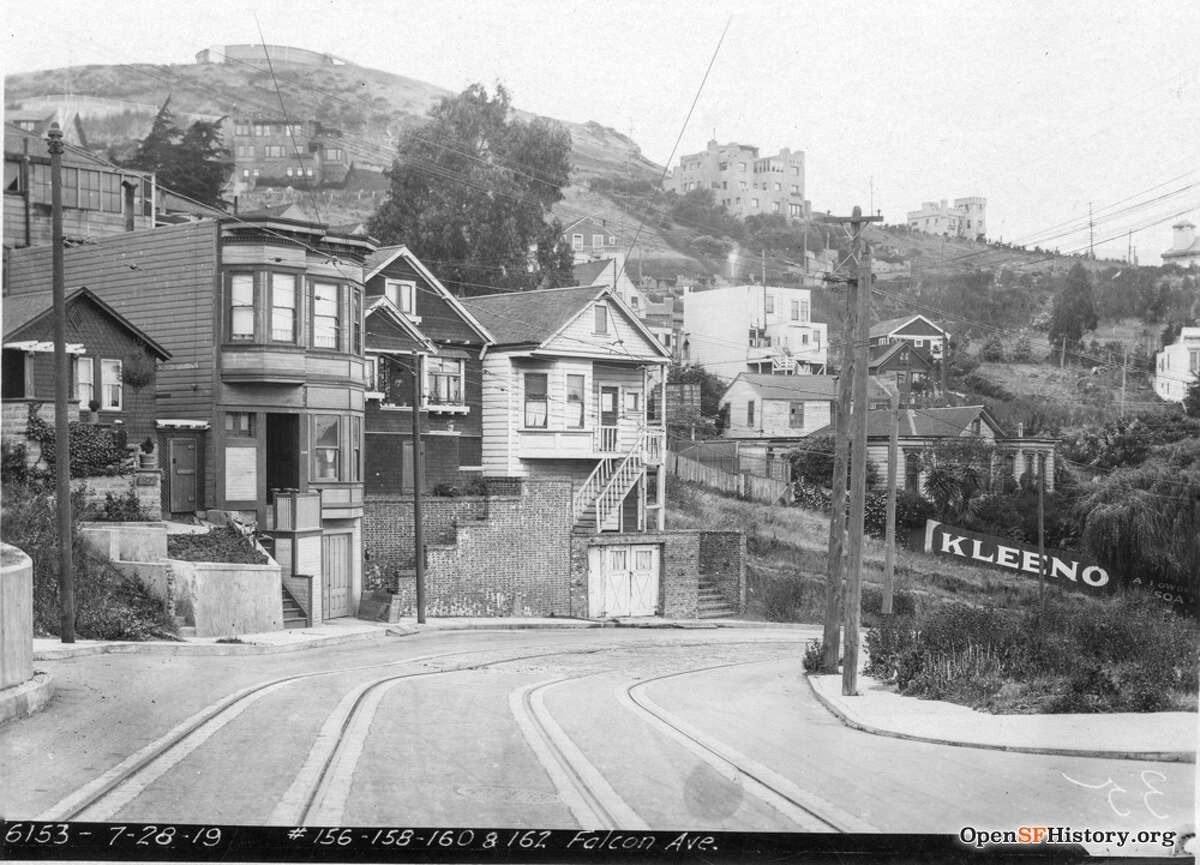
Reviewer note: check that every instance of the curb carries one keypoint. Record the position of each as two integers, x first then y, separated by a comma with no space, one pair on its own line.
206,649
23,700
847,719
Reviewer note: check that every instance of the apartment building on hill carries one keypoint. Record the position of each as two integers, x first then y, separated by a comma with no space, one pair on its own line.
744,181
967,217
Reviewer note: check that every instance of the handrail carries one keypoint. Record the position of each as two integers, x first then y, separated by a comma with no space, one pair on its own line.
613,493
586,495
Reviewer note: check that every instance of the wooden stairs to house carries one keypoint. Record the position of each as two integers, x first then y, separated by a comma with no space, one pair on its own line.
711,602
597,504
293,615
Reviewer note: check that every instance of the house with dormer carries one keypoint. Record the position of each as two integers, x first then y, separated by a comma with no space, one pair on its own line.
917,330
572,389
410,310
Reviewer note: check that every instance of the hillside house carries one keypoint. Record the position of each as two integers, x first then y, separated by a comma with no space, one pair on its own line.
101,345
744,181
1185,247
1177,366
917,330
572,389
753,328
99,199
410,310
966,218
280,152
781,408
907,370
1013,458
259,411
610,273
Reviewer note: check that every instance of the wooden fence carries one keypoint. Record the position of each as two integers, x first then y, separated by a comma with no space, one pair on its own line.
741,484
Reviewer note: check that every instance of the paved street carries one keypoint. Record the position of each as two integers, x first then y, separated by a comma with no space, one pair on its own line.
662,729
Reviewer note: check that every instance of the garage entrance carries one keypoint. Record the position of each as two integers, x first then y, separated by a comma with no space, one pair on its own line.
623,580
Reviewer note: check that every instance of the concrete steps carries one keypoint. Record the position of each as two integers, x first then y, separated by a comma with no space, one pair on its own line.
293,615
711,602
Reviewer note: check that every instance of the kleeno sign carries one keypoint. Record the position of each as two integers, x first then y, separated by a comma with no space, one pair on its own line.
1065,568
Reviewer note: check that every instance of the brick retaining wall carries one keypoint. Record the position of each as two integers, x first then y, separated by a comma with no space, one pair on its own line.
723,559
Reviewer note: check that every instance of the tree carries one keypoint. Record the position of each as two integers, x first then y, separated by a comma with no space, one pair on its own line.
1191,399
194,163
1074,310
471,190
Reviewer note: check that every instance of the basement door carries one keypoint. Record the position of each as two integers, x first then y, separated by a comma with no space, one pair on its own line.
623,580
335,574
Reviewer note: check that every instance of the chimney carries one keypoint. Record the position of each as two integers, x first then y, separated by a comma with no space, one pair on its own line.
1185,235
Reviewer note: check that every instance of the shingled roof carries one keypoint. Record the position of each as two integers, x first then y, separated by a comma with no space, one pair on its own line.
949,422
32,316
589,271
529,317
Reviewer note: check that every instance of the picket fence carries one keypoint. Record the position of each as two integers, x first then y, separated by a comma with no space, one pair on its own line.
742,484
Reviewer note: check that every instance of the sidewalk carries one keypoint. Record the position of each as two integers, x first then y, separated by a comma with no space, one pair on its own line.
878,709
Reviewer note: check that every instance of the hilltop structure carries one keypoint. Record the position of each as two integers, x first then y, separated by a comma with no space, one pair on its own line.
743,181
259,53
966,218
1185,248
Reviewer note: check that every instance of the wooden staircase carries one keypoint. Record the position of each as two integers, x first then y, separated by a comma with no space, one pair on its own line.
597,504
293,615
711,602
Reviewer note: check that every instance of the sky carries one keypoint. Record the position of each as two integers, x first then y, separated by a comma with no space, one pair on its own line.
1043,108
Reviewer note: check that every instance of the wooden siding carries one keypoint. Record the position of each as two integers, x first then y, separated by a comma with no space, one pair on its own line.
256,254
919,327
623,339
439,320
163,282
499,397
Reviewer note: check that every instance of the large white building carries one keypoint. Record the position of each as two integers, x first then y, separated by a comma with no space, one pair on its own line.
1185,248
753,328
1178,365
966,218
743,181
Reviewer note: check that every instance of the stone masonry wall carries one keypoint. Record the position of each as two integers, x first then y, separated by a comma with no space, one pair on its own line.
679,582
723,560
388,531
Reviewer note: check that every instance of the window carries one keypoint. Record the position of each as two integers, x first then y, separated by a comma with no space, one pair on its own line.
356,449
274,151
326,447
633,401
241,307
245,172
795,310
283,307
597,241
70,186
754,202
741,166
402,293
795,210
912,472
770,302
600,320
289,171
577,241
804,310
612,241
796,415
919,343
575,410
355,322
779,187
309,172
749,412
443,381
334,154
240,127
244,151
85,388
795,189
326,321
742,185
776,207
110,385
535,399
110,193
1194,360
239,423
89,190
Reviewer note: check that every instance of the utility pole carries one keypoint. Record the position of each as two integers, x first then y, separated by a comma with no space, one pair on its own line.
1124,371
62,382
1091,235
889,553
418,532
1042,532
852,382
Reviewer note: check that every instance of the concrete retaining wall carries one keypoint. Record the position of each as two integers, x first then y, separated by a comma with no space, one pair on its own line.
228,599
147,483
16,617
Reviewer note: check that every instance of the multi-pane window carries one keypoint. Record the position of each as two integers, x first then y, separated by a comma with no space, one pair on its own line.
750,412
795,310
575,403
326,321
274,151
355,322
633,401
770,302
239,423
597,241
796,415
1194,360
577,241
402,293
535,399
110,193
326,448
334,154
443,380
356,448
110,385
600,320
85,387
244,151
283,307
241,306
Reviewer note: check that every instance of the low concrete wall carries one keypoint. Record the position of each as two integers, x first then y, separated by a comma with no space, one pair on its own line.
127,542
16,616
147,483
229,599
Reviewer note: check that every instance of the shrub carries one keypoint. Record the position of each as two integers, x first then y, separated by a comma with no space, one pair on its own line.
476,487
446,491
912,509
809,496
814,653
784,599
993,350
94,451
125,508
224,544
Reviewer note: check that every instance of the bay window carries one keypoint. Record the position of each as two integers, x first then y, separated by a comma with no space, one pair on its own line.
326,315
326,448
241,307
536,403
283,307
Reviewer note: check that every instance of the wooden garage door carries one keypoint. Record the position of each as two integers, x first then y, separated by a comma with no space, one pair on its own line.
623,580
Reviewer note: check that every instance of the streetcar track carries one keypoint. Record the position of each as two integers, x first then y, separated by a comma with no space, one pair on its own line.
105,795
782,794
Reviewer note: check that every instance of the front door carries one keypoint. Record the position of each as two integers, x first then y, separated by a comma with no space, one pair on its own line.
182,453
609,397
335,560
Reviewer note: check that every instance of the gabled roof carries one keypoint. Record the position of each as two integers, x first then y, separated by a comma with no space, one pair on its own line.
18,141
376,261
35,312
289,210
589,271
375,341
532,318
881,354
884,328
799,387
948,422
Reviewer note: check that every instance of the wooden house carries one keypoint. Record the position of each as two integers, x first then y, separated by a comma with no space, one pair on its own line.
572,389
402,291
784,407
105,349
917,330
907,370
259,411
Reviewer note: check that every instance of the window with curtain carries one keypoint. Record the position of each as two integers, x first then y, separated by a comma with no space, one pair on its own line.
241,307
110,385
326,321
326,448
283,307
85,388
444,380
536,402
575,402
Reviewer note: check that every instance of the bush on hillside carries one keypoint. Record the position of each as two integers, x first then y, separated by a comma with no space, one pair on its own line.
95,451
223,544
